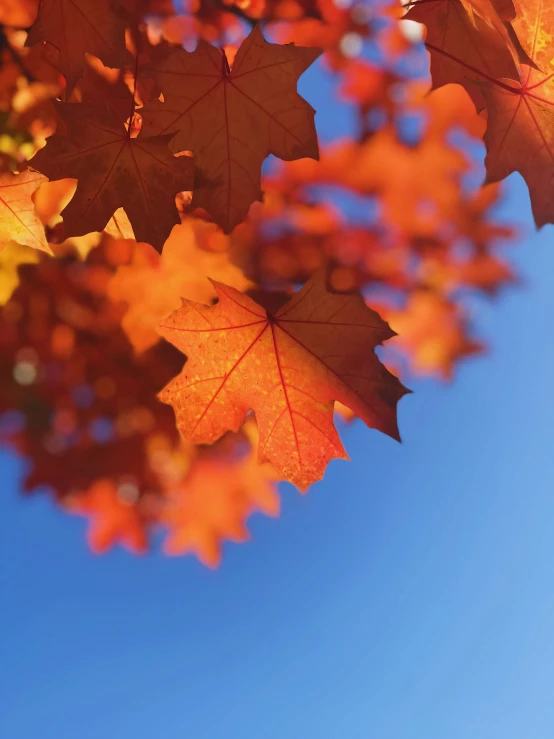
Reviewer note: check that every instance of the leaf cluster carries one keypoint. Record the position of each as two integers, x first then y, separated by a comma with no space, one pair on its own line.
184,322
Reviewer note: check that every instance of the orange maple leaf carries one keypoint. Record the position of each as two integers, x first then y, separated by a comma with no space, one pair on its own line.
114,171
288,367
432,332
232,119
520,137
76,27
520,124
113,517
18,220
152,286
213,503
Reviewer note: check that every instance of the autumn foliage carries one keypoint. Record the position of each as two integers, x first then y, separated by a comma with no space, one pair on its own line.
186,322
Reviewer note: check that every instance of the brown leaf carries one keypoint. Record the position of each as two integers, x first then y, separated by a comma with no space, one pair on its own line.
464,49
114,171
76,27
232,119
213,502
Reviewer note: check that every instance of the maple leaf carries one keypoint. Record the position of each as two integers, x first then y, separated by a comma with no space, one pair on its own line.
53,197
520,137
288,367
232,119
465,48
114,171
432,332
18,220
76,27
520,123
212,504
102,86
152,286
112,517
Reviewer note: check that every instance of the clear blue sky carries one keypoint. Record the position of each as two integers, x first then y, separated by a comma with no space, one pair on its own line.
408,596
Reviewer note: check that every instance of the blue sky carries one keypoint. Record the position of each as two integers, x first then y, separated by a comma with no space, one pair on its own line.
410,595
